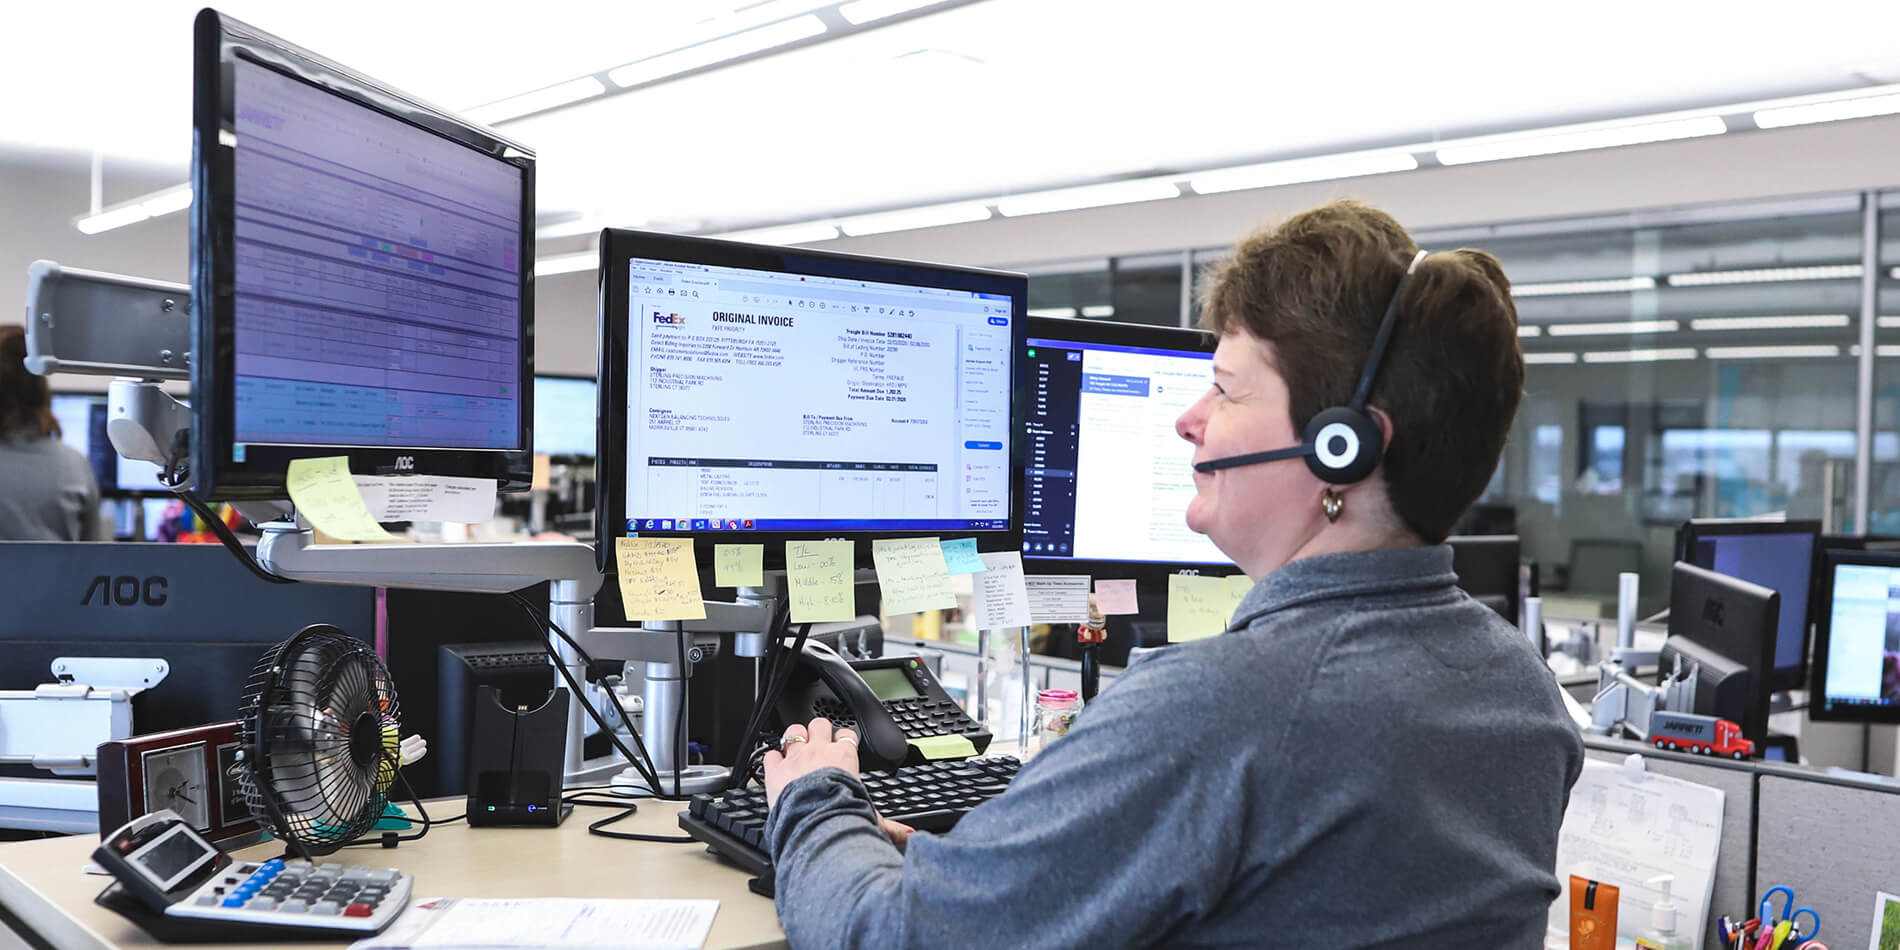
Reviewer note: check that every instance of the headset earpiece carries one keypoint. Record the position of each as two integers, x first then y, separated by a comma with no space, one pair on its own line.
1347,445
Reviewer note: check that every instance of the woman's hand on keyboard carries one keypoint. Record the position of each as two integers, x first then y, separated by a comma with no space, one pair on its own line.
804,750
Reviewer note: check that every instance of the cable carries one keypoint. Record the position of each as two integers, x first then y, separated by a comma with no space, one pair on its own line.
679,718
781,674
628,810
223,531
386,837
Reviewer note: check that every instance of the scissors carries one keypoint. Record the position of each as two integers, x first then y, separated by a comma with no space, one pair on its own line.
1775,931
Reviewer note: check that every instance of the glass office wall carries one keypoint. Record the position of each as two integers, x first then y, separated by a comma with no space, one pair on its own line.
1883,489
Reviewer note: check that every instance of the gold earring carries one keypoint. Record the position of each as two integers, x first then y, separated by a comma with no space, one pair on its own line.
1333,504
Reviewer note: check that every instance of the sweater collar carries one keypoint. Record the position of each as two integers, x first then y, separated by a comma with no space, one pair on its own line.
1350,574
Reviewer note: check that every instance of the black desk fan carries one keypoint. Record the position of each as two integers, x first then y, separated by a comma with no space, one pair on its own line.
321,740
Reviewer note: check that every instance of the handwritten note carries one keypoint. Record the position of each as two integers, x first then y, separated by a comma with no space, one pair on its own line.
1236,587
327,498
738,565
959,556
1116,598
658,580
1198,607
1001,600
819,574
911,575
1058,598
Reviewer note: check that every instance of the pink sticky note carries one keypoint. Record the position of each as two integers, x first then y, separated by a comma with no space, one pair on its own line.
1114,598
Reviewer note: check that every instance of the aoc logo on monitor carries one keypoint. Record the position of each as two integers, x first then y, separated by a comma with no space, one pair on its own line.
127,591
1714,612
669,319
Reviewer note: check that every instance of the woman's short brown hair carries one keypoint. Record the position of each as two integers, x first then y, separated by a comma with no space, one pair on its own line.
24,399
1316,286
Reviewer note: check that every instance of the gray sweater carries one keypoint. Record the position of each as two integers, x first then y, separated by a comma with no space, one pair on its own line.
1369,758
47,492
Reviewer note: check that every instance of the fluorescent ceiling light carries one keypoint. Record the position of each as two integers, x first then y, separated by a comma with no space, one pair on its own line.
1088,196
1770,352
1052,311
1626,326
1883,351
1857,107
717,51
1799,322
864,11
1762,275
1534,359
1617,285
1578,138
1640,356
1887,323
1100,310
910,219
1323,168
1527,331
153,205
789,234
559,94
566,263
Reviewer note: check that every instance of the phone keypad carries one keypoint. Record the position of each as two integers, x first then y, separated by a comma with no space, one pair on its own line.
922,716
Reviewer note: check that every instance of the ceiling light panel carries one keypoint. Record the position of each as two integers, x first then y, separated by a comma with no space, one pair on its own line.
1578,139
1524,331
712,52
1604,329
559,94
1771,352
790,234
1763,275
1325,168
1088,196
910,219
1555,288
1549,359
1641,356
1829,110
866,11
1812,321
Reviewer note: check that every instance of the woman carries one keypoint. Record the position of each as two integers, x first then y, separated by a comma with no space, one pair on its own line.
47,492
1367,757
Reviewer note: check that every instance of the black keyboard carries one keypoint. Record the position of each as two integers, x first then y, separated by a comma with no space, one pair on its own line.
928,797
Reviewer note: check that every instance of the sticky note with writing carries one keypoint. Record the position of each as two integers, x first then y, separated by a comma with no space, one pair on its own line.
944,747
1058,598
959,556
911,575
1198,607
1115,598
738,565
1000,599
819,575
658,579
326,497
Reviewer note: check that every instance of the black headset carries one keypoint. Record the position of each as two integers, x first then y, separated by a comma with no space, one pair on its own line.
1341,445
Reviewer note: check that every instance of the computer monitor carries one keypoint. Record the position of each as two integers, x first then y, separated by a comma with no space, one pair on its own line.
361,275
764,394
82,425
566,410
1857,639
1715,616
1774,554
1108,479
1487,569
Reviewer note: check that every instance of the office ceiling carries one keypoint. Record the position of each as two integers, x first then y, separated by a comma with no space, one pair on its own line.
984,99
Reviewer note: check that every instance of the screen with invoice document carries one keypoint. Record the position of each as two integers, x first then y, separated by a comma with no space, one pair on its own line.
1108,478
762,400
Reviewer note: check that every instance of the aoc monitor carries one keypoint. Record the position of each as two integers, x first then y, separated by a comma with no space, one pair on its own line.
1488,568
1715,615
1775,554
764,394
565,417
361,275
1857,639
1108,479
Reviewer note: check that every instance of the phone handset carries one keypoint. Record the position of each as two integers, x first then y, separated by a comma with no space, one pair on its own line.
881,743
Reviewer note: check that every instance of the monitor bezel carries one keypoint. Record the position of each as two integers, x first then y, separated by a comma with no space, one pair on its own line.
219,42
1117,334
1763,605
1818,702
619,246
570,458
1779,678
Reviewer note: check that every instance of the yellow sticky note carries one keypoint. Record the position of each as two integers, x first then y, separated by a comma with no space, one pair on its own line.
944,747
658,580
819,575
912,575
738,565
1236,587
543,473
1198,607
326,497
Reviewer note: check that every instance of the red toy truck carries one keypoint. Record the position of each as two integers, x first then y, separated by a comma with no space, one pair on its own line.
1704,734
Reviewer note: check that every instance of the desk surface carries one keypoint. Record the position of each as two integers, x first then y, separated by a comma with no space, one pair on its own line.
43,884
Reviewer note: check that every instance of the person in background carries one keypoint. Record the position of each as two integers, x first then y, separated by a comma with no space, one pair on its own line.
47,492
1367,757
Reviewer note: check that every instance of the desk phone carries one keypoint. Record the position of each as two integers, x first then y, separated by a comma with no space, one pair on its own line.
181,887
888,701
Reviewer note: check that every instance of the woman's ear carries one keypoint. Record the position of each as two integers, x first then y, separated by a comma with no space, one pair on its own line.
1385,426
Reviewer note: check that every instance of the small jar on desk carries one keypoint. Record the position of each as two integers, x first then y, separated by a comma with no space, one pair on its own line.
1056,710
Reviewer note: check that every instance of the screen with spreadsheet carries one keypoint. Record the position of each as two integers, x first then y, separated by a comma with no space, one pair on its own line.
377,292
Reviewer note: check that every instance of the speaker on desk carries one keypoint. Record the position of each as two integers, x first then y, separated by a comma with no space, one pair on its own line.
518,670
517,761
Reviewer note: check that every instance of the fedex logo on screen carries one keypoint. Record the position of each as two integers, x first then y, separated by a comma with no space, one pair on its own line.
669,319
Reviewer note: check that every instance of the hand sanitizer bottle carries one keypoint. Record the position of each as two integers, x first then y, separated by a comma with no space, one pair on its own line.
1662,920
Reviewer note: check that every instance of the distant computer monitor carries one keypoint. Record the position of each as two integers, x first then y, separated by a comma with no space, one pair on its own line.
82,425
565,411
1775,554
1715,615
1108,479
1487,569
361,279
1857,639
764,394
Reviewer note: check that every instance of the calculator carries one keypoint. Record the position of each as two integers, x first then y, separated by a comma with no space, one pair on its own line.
197,892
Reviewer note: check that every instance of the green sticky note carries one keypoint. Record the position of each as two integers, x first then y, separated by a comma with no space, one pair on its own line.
944,747
819,575
738,565
328,498
1198,607
960,557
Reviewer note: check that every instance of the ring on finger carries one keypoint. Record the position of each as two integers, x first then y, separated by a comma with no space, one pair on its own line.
846,737
786,741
